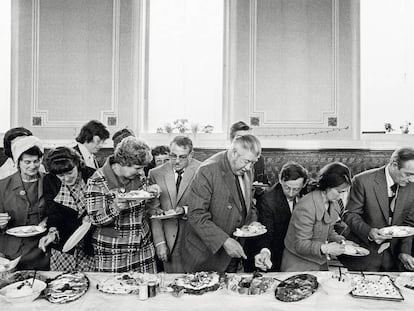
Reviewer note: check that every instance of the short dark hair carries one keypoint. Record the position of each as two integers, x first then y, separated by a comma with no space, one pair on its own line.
182,141
121,134
292,171
333,175
91,129
238,126
402,155
33,151
160,150
12,134
62,159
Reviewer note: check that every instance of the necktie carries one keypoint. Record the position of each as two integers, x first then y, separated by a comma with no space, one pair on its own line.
342,207
391,201
179,178
241,196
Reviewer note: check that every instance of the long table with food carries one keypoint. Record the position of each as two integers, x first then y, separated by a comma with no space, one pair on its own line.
332,290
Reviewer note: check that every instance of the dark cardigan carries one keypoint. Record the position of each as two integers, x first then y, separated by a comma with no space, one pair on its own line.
64,218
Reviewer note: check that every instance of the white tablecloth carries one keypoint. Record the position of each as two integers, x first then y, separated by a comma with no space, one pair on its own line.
323,299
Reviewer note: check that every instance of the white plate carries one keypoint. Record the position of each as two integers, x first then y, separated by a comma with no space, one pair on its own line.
7,265
136,195
248,234
26,231
167,216
16,293
76,236
397,231
352,250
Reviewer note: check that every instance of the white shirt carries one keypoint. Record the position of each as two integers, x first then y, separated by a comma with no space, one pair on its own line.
88,157
390,181
290,202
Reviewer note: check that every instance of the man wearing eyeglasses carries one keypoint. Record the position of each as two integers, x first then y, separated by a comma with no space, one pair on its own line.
379,198
274,211
174,178
220,201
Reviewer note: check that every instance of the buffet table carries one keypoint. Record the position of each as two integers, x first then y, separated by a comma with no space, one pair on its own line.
323,299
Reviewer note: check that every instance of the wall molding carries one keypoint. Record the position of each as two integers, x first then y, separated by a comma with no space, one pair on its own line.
43,114
255,112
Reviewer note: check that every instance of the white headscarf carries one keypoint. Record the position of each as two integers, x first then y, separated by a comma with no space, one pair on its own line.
21,144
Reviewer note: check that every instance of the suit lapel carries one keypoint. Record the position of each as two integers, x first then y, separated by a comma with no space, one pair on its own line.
185,182
230,181
284,204
247,190
169,179
381,192
400,204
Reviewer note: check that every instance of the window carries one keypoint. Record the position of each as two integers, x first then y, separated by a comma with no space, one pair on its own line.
185,62
5,61
387,64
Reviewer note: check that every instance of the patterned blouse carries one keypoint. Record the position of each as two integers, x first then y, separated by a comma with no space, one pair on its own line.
123,240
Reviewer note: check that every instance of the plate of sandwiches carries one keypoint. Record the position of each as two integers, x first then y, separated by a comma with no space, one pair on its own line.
26,231
134,195
66,287
126,283
374,286
397,231
251,230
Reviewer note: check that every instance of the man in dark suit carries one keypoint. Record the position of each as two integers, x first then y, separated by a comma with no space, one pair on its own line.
380,197
174,178
275,208
219,202
90,140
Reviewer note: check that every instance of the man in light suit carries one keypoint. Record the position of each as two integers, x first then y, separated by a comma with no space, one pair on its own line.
380,197
174,178
219,202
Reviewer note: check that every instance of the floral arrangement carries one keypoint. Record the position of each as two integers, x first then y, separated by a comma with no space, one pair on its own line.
183,126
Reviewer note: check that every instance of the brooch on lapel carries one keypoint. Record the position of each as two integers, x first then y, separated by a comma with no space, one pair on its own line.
22,192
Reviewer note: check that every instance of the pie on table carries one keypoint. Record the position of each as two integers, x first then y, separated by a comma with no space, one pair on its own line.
296,288
66,287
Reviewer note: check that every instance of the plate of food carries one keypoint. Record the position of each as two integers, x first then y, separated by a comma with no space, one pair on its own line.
354,250
251,230
136,195
249,284
397,231
168,214
126,283
374,286
26,231
257,184
296,287
405,279
23,291
7,265
196,283
66,287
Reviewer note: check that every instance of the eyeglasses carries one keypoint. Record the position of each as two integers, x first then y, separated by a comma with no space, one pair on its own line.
181,157
161,161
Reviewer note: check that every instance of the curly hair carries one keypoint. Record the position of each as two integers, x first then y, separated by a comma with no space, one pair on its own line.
62,160
132,151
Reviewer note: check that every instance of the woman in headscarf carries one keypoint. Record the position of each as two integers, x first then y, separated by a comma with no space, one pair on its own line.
22,203
64,189
122,240
311,237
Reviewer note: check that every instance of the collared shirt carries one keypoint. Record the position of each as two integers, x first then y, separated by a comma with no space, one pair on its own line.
291,203
176,174
88,157
390,181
